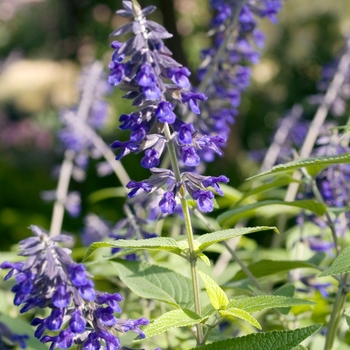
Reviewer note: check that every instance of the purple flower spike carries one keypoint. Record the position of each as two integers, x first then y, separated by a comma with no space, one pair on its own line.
167,204
179,76
165,113
61,298
204,200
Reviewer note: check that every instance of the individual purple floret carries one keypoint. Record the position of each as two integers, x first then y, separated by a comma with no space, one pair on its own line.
49,278
9,339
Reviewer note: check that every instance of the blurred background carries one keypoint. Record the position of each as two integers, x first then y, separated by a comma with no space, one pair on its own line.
45,43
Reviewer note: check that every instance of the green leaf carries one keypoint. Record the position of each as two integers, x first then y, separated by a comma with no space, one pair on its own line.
270,267
287,290
275,183
209,239
106,193
156,283
276,340
158,243
204,258
217,296
171,319
340,265
239,313
231,216
22,327
306,163
299,347
261,302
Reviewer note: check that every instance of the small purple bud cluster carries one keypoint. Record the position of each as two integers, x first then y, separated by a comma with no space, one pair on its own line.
155,82
49,278
231,73
8,339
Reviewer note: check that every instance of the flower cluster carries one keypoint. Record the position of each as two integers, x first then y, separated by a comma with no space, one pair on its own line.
49,278
155,82
225,71
8,339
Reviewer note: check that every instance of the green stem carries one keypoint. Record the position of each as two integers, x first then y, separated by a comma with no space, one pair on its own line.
189,231
337,313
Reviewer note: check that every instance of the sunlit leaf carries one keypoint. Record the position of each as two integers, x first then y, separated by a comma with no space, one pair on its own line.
276,340
171,319
216,295
239,313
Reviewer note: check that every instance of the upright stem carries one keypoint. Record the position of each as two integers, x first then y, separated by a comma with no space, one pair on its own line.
189,231
337,313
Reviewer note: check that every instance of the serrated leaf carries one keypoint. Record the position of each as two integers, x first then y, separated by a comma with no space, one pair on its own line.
229,217
216,295
340,265
156,283
261,302
209,239
157,243
276,340
306,163
270,267
171,319
239,313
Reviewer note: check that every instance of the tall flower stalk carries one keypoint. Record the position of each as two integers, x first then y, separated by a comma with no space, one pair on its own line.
143,67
